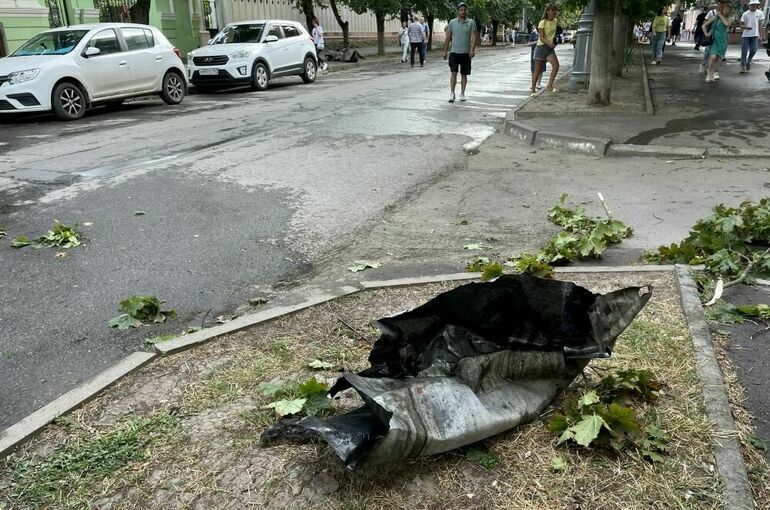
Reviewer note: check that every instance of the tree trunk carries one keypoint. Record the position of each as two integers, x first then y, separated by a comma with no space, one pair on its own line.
619,38
600,81
344,25
380,32
495,24
430,18
478,34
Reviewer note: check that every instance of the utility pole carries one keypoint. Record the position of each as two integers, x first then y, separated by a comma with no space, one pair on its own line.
581,65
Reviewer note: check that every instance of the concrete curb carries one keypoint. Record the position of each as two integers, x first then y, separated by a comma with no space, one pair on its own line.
646,84
27,427
729,461
185,342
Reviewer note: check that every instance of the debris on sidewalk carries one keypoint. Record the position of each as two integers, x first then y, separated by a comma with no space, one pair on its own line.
471,363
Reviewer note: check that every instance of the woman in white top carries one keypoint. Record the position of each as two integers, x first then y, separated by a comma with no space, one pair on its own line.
403,41
318,40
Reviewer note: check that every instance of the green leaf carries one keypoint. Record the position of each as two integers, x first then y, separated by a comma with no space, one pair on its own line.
474,246
270,389
317,404
558,464
586,430
620,419
558,424
477,265
312,387
491,271
360,265
588,399
20,242
2,232
317,364
486,459
288,407
124,321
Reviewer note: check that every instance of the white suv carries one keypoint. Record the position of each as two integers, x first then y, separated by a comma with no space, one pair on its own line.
69,69
252,53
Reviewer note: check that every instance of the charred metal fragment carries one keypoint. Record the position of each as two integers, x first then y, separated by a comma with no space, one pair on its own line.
468,364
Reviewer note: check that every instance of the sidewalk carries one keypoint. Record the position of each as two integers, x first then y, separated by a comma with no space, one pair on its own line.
687,113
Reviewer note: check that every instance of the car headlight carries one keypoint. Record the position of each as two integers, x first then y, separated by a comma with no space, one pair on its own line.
239,54
22,76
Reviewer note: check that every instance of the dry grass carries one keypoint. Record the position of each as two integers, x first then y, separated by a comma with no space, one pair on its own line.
212,459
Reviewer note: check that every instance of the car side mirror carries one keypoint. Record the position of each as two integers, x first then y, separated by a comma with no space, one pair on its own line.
271,38
91,52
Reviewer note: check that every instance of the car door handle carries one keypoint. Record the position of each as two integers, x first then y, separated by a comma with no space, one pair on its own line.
122,63
158,59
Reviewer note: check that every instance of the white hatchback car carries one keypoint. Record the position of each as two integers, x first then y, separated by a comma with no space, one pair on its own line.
252,53
70,69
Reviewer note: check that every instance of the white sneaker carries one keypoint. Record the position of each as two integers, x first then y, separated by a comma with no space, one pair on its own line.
701,69
452,97
325,66
462,97
716,76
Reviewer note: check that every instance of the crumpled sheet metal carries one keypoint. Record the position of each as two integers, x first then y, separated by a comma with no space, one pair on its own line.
471,363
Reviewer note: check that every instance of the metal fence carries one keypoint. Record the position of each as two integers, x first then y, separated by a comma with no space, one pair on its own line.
118,11
56,14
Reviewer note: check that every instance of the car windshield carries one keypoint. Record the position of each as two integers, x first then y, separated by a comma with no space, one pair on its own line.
239,34
59,42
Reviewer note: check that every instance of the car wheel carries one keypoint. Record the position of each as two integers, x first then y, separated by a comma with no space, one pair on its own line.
310,70
68,101
173,89
260,76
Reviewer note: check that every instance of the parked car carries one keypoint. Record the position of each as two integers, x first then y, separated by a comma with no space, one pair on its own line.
253,53
71,69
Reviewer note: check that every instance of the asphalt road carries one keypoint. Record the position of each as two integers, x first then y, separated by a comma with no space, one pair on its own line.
241,192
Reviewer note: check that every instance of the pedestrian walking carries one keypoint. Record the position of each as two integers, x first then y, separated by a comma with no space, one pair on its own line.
676,28
416,38
706,41
545,50
699,21
752,23
460,46
717,27
426,29
403,41
318,41
661,30
533,38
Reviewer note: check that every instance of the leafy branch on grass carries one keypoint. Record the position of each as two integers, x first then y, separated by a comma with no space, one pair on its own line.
307,398
598,417
582,237
139,309
726,242
728,313
60,236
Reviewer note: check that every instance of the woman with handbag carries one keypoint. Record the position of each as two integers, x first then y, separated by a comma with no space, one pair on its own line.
717,28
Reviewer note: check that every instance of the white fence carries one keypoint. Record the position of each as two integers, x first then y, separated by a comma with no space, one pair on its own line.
361,25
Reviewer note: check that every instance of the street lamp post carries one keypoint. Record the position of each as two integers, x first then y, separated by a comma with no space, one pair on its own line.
581,64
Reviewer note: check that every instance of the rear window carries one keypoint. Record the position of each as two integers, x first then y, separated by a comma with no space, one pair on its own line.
291,31
137,38
251,33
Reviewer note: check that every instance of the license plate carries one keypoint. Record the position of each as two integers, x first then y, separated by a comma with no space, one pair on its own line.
208,72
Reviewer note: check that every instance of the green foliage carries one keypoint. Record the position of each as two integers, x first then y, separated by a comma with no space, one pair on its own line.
306,398
140,308
20,242
726,241
597,418
489,270
61,236
530,264
2,232
728,313
486,459
317,364
82,462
